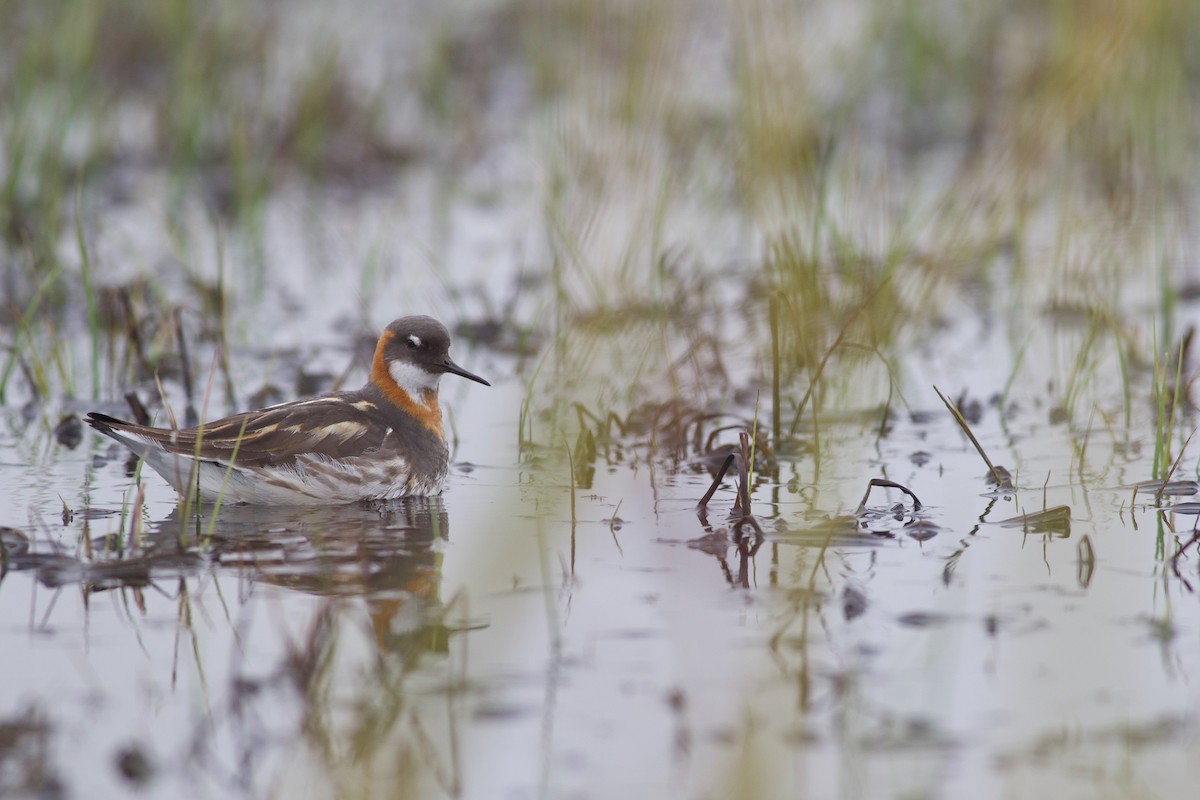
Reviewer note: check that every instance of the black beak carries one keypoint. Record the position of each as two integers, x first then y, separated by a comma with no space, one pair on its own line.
450,366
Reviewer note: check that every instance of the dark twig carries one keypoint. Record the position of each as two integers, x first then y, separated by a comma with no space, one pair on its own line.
962,423
716,482
1175,559
140,415
132,330
890,485
743,499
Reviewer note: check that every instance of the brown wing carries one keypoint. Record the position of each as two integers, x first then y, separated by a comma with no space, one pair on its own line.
336,426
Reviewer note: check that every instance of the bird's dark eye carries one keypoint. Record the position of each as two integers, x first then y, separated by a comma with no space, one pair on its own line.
412,343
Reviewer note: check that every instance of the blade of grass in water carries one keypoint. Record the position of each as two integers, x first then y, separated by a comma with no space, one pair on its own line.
23,328
93,316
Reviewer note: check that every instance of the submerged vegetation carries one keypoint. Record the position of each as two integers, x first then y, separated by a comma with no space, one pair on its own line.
729,248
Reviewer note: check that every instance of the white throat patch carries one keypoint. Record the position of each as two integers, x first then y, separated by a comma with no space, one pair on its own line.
413,380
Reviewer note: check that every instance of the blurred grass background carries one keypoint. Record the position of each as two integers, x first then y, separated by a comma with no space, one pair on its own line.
868,163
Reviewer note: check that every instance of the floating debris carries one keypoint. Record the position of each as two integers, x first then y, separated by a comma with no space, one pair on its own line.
1177,488
134,765
896,517
854,603
1055,520
69,431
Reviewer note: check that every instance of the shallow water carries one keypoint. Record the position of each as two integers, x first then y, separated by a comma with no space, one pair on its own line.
548,631
486,644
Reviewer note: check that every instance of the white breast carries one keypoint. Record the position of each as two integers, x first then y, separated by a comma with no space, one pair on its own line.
413,380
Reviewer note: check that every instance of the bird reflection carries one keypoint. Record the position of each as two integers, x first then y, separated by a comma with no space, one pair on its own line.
383,560
384,553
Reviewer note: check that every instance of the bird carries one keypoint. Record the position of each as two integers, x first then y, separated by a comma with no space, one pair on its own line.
380,442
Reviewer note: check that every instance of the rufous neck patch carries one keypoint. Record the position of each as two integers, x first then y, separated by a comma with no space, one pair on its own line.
425,410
